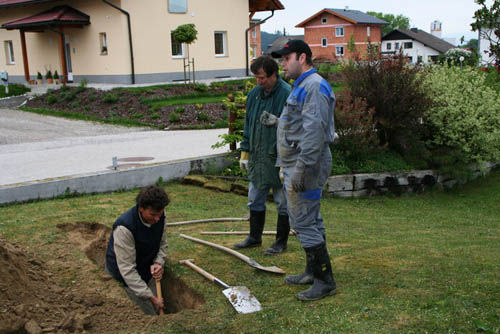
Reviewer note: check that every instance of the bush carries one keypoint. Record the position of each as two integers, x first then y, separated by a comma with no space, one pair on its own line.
470,58
202,117
174,117
465,118
68,96
51,99
179,109
355,126
394,89
110,98
14,90
200,87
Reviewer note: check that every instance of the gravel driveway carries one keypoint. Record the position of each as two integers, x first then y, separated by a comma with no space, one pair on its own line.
22,127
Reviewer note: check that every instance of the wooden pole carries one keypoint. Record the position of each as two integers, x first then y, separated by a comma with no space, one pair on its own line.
62,52
25,56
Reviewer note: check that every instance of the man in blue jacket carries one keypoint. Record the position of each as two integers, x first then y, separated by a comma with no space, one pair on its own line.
258,154
136,248
305,131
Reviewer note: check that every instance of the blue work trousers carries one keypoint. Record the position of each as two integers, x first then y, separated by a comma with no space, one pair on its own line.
303,208
257,199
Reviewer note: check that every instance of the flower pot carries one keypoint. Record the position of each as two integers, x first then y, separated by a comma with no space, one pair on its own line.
49,81
39,81
57,81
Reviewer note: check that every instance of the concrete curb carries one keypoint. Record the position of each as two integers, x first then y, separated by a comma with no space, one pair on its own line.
111,180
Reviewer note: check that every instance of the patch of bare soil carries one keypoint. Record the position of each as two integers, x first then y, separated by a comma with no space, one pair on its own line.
62,295
133,106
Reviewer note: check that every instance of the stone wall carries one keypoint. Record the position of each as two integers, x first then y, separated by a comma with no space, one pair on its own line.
358,185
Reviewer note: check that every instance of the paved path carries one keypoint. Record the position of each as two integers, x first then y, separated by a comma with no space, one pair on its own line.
43,147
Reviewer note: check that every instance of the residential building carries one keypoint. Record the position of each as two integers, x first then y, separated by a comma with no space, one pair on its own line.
485,37
339,34
255,39
124,41
419,46
280,42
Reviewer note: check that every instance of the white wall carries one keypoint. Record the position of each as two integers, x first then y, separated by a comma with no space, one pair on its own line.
484,45
418,49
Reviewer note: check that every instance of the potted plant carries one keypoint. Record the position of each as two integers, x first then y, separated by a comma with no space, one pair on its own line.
39,78
56,78
48,76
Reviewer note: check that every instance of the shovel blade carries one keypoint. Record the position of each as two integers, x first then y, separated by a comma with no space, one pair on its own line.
242,299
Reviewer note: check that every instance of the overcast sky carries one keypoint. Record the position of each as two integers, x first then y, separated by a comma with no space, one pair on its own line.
455,15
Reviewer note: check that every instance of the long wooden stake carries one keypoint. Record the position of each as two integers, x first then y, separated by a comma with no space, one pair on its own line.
206,221
238,233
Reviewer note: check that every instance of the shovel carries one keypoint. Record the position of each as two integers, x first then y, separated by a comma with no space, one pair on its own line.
250,261
239,296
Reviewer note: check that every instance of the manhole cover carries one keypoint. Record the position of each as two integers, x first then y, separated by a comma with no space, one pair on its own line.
135,159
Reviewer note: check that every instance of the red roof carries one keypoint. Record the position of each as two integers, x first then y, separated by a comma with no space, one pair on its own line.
12,3
56,16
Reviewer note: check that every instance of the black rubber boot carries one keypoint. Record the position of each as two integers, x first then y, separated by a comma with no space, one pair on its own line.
306,277
324,283
254,239
282,230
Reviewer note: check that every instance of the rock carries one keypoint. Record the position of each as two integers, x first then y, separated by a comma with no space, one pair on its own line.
32,327
338,183
20,310
239,189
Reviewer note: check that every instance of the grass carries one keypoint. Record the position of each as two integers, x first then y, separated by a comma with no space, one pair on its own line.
84,117
410,264
183,100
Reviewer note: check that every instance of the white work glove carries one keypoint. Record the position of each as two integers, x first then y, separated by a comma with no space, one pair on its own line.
268,119
244,157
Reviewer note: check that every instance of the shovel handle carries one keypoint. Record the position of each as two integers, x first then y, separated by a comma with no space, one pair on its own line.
158,292
225,249
204,273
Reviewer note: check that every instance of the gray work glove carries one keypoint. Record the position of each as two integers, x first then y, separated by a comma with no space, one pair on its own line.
297,178
268,119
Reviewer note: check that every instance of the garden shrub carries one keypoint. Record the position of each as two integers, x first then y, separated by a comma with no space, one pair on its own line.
465,118
174,117
200,87
355,126
179,109
110,98
51,99
202,117
452,57
68,96
14,90
393,88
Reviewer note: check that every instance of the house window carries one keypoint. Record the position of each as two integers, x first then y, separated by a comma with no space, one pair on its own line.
396,46
419,60
324,42
389,46
339,32
410,59
177,6
408,45
253,52
177,48
368,31
324,20
339,51
9,53
103,43
220,43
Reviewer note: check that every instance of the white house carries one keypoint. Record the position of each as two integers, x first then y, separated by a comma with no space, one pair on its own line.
419,46
485,36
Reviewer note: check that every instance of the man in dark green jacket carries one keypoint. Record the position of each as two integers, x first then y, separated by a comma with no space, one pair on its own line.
258,154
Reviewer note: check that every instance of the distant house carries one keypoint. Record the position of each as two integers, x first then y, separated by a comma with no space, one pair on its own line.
336,34
419,46
126,41
484,37
255,39
280,42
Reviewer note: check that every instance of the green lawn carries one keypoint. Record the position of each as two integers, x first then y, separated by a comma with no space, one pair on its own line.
412,264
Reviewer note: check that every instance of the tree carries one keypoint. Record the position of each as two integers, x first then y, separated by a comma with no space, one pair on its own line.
488,23
395,22
471,44
185,33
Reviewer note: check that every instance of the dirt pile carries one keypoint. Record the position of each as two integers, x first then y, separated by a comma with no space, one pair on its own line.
61,295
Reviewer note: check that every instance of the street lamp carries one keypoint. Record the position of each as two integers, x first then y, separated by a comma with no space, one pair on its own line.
461,60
